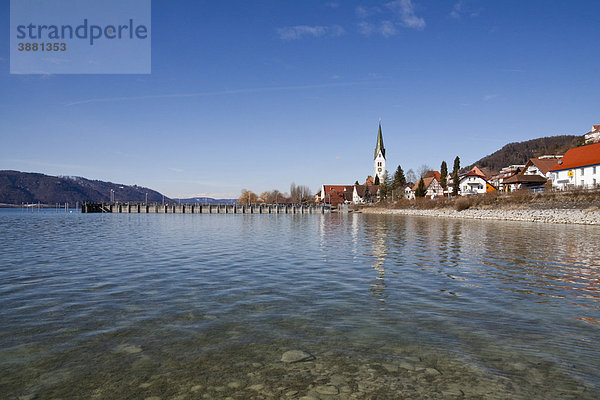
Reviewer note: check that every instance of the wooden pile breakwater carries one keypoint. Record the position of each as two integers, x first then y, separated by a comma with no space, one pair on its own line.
154,208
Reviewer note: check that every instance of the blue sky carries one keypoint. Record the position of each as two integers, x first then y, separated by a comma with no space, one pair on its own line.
259,94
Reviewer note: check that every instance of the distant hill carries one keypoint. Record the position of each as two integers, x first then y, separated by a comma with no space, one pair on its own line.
23,187
521,152
206,200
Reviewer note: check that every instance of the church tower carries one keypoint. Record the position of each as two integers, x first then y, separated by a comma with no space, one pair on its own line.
379,157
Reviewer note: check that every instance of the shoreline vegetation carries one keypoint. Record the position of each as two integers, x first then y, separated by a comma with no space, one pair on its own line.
571,207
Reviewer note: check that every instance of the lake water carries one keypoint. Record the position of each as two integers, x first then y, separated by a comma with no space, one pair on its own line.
99,306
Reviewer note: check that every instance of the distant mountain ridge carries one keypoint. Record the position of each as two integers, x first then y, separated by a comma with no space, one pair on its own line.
206,200
25,187
521,152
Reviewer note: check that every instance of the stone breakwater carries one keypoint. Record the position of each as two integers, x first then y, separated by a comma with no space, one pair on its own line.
552,216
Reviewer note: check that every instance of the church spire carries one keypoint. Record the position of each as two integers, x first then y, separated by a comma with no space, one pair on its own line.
379,147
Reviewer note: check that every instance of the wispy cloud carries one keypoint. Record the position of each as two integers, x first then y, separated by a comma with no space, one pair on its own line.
302,31
366,28
216,93
489,97
406,10
178,170
363,12
462,9
388,29
375,20
332,4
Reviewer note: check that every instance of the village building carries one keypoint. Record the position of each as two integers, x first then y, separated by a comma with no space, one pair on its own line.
593,136
532,182
433,187
473,182
541,166
364,193
533,176
498,179
336,194
580,167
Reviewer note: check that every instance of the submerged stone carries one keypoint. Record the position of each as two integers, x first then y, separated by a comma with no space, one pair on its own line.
327,389
294,356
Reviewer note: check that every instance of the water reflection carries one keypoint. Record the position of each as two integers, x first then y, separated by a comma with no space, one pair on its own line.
378,236
502,309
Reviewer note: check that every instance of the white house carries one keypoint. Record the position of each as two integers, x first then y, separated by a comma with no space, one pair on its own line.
541,166
472,183
580,167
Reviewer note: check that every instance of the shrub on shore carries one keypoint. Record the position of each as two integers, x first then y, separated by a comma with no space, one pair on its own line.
463,203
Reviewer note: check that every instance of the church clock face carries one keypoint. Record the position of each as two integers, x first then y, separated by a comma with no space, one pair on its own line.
378,169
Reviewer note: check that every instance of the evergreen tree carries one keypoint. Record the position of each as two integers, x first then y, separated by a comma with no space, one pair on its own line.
383,187
376,180
356,183
399,179
456,185
444,173
389,181
367,196
420,192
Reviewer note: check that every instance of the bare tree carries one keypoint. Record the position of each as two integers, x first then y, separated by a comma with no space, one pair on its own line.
423,170
300,193
272,197
411,177
265,196
247,197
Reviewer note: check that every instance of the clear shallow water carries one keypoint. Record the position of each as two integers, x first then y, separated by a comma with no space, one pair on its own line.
204,306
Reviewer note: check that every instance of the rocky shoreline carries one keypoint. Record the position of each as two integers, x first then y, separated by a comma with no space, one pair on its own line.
552,216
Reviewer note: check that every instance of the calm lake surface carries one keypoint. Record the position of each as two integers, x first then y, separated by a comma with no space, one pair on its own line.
122,306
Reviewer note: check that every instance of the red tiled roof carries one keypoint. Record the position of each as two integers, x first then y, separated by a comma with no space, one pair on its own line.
476,172
434,174
543,164
579,157
595,128
427,181
337,188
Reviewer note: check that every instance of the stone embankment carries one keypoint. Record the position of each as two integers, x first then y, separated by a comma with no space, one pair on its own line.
553,216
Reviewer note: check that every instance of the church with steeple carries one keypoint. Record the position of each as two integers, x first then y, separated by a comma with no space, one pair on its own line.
358,194
379,162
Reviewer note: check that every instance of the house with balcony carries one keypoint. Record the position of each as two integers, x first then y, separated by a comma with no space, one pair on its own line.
579,168
473,183
541,166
